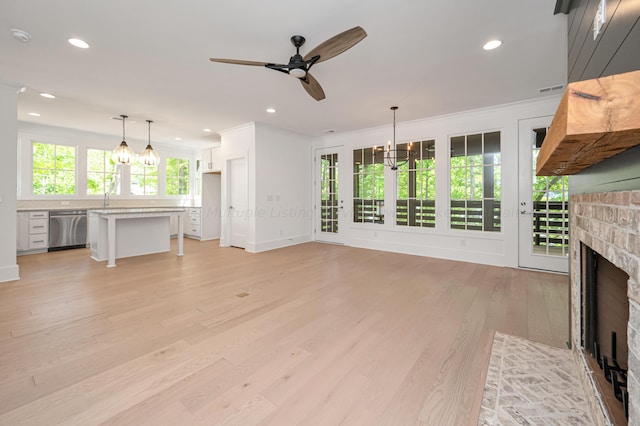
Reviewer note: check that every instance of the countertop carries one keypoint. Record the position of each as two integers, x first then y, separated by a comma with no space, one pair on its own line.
143,210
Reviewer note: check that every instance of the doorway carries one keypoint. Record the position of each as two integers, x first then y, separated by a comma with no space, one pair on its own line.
329,205
543,205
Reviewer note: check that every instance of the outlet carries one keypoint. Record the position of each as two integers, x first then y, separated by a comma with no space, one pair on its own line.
463,243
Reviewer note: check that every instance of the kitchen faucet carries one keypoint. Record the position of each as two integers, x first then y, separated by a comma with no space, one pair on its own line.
106,200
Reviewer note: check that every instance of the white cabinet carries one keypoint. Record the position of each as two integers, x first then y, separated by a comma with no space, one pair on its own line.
33,231
211,160
193,223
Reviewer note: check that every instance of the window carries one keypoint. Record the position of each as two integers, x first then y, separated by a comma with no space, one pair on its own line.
550,207
177,176
144,180
103,174
368,186
475,182
329,193
416,199
54,169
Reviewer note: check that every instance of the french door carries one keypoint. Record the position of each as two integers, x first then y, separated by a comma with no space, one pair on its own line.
329,205
543,205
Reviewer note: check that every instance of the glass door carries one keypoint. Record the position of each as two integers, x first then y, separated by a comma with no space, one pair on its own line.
543,205
329,206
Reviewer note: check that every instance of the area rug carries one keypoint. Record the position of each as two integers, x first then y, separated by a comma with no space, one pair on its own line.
530,383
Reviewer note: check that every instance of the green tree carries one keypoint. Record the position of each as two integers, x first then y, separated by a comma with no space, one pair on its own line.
53,169
177,176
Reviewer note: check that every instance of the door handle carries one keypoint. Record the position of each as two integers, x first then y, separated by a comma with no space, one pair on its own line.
230,207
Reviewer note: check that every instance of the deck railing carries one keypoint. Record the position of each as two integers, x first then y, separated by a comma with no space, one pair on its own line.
550,223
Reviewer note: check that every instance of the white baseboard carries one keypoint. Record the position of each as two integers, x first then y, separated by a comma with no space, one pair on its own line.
9,273
276,244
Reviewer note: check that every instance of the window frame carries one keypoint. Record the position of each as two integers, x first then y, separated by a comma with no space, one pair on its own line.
423,214
120,168
137,163
374,205
32,169
188,175
486,203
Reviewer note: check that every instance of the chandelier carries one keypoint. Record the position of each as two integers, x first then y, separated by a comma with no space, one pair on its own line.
149,157
123,154
392,156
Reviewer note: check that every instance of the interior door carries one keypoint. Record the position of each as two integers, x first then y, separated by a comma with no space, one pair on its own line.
329,205
543,224
238,203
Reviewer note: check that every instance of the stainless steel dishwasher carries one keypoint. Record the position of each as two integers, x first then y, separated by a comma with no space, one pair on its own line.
67,229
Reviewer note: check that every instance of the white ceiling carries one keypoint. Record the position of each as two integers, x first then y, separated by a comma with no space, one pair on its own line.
149,60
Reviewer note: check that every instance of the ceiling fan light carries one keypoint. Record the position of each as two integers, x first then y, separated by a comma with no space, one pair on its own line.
298,73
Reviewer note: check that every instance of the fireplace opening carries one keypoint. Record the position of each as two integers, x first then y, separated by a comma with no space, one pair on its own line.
605,316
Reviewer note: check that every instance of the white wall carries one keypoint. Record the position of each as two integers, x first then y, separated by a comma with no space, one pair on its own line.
283,177
278,180
9,270
495,248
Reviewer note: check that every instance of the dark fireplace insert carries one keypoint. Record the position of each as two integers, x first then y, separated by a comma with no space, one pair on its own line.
605,315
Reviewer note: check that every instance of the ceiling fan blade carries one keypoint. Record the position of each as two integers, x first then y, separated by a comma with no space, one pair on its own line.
337,44
239,62
312,87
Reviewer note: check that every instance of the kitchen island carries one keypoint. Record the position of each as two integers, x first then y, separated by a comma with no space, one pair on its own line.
119,233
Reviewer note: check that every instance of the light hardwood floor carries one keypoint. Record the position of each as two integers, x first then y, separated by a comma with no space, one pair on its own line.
313,334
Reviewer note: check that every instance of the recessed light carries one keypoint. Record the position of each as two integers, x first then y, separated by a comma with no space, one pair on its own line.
47,95
20,35
271,110
206,130
78,43
178,139
34,114
492,44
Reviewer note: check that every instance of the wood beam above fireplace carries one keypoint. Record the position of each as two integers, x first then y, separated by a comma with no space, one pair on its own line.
596,119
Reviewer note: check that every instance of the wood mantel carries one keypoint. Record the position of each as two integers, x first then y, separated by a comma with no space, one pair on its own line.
596,119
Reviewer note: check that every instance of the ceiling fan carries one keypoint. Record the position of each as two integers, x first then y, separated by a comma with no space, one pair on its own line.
299,65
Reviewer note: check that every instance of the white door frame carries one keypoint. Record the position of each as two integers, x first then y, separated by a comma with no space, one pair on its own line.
336,237
526,256
228,212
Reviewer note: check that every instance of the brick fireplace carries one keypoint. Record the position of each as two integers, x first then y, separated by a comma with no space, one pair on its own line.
608,223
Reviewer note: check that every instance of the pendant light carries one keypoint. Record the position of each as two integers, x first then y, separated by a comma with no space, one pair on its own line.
123,154
392,156
149,157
